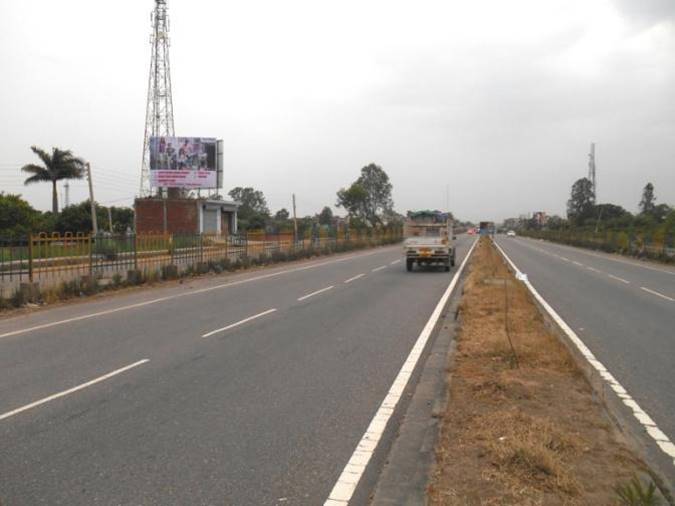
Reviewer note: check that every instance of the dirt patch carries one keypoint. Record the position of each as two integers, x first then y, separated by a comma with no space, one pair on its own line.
522,425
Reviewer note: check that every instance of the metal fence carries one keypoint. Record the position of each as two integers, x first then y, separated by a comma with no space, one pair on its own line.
52,260
637,244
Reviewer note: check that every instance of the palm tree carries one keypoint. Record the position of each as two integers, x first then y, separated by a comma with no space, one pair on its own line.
61,164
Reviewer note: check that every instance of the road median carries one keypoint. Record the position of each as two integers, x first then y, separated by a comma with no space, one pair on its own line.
522,425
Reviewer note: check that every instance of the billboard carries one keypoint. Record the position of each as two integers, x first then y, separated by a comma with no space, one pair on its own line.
184,162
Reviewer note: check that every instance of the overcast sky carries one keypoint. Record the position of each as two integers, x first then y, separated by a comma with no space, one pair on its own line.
496,100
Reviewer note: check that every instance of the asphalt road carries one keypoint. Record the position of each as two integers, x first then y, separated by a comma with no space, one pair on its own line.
122,401
623,310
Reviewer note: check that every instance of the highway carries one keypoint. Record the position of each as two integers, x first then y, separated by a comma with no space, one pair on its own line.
622,309
253,388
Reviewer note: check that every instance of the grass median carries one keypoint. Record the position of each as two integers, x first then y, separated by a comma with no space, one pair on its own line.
522,425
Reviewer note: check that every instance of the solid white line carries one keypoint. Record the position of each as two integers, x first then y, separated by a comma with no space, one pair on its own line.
395,262
315,293
654,292
354,278
564,259
577,263
351,474
619,279
179,295
72,390
241,322
592,269
642,417
379,268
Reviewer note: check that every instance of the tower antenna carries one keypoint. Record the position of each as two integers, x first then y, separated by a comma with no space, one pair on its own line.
159,109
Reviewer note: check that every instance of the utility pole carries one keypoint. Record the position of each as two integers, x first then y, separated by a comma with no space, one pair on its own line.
94,224
110,219
591,170
295,222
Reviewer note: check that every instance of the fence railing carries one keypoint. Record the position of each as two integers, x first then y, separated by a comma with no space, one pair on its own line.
637,244
50,260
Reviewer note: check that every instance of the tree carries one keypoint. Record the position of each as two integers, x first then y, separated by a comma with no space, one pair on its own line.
326,216
122,218
648,198
77,218
282,214
60,165
253,212
369,197
582,200
17,217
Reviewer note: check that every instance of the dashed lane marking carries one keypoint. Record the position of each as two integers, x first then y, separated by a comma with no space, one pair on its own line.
72,390
240,322
358,276
185,294
619,279
658,294
305,297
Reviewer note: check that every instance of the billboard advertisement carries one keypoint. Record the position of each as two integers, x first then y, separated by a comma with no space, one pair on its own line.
183,162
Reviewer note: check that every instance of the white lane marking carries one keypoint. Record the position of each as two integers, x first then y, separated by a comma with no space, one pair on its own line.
619,279
564,259
379,268
354,278
395,262
642,417
351,474
577,263
73,390
658,294
179,295
592,269
240,322
304,297
609,257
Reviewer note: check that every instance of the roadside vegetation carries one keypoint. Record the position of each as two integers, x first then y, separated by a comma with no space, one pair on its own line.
91,285
522,426
27,246
650,233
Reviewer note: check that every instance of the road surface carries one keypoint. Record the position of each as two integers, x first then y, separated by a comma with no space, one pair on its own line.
623,310
247,389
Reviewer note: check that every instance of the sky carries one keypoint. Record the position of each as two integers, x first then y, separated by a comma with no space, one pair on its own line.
485,107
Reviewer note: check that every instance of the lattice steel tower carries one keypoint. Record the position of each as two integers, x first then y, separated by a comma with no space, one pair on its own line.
591,170
159,110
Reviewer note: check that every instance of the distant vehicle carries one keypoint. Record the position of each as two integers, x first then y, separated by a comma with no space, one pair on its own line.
510,233
486,228
471,231
429,240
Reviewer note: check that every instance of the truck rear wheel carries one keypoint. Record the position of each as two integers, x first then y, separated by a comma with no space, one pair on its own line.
447,267
409,265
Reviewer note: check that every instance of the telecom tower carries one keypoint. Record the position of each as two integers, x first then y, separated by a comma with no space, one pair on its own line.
591,170
159,110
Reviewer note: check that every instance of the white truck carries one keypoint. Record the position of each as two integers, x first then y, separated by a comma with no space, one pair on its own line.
429,240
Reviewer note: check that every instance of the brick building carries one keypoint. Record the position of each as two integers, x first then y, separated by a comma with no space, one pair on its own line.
187,216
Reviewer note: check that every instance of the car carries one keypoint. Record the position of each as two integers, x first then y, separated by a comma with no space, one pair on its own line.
510,233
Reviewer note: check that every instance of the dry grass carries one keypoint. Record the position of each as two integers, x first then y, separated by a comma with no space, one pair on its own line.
522,426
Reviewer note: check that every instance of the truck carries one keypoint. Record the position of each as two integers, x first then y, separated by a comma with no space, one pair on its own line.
429,240
486,228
